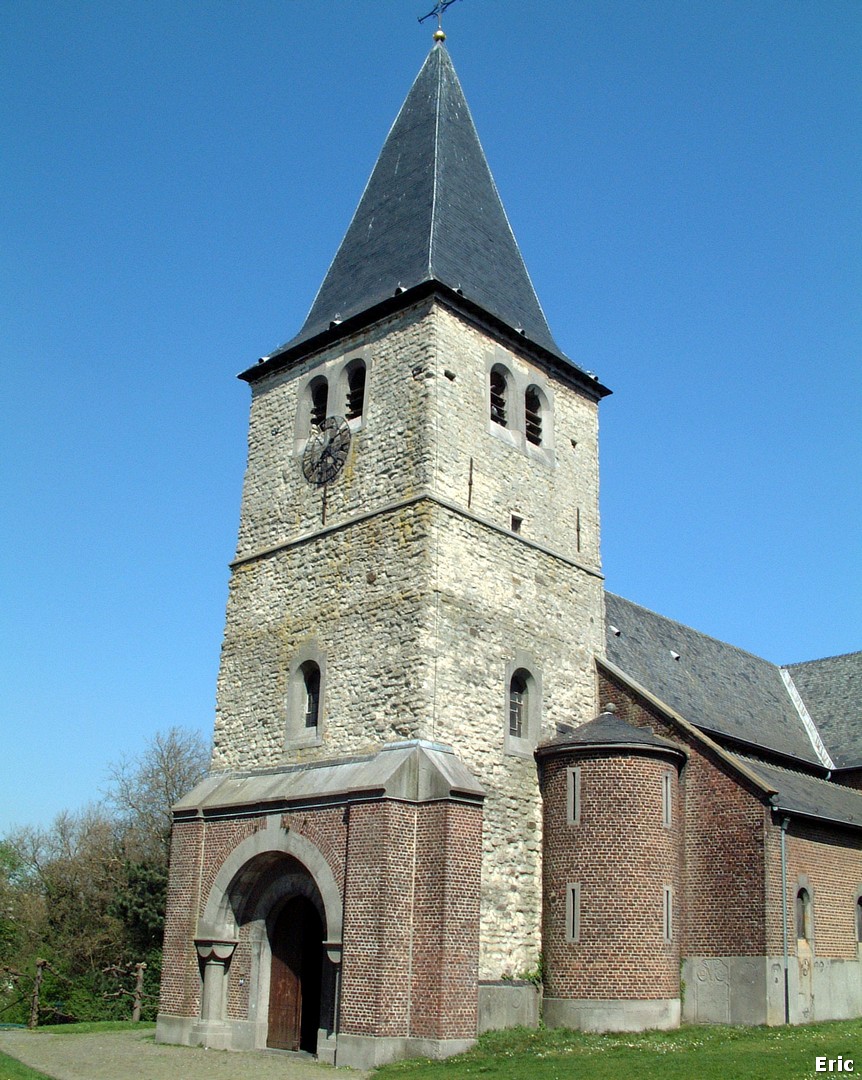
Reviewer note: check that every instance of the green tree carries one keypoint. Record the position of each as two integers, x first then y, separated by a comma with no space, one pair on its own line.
143,789
140,905
88,892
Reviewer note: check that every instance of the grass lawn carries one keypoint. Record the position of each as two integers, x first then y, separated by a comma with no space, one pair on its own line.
691,1053
10,1069
93,1027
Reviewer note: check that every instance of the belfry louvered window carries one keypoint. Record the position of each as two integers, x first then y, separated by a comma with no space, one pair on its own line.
319,390
533,416
355,390
498,397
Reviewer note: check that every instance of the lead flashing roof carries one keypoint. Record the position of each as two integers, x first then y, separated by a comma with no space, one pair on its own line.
430,211
832,691
412,771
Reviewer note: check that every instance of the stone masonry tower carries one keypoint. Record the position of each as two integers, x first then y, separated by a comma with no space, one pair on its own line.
416,601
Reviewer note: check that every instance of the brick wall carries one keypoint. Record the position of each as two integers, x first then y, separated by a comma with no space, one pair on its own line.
622,856
378,919
411,921
410,878
180,986
828,862
724,884
446,946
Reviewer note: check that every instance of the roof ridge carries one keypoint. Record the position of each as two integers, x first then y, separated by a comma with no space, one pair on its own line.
438,47
822,659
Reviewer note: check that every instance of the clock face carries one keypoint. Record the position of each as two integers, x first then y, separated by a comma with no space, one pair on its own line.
326,450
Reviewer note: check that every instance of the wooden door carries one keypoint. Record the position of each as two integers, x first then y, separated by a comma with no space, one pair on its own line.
294,986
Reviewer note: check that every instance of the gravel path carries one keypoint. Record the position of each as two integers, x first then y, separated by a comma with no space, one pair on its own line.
133,1055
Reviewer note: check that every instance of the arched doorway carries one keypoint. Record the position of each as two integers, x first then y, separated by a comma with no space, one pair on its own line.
296,943
254,887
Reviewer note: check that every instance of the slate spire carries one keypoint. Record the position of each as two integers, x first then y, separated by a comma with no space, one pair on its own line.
430,211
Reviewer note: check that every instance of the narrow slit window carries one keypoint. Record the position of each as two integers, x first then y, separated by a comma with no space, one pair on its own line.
498,398
518,704
533,416
667,914
573,912
311,680
859,919
667,799
573,799
355,391
803,915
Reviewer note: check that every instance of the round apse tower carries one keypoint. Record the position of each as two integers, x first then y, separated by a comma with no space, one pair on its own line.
612,821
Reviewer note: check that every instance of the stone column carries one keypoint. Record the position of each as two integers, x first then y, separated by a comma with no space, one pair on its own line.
330,1002
212,1029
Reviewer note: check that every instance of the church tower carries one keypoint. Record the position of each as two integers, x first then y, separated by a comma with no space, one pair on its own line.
416,601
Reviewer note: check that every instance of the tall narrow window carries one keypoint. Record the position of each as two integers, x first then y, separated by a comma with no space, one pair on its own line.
319,390
667,914
859,919
311,683
306,697
573,912
498,397
573,796
533,416
521,694
803,915
355,390
518,704
667,799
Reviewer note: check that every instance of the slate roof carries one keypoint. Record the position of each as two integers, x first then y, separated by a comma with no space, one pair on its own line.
607,729
811,796
721,689
430,211
832,691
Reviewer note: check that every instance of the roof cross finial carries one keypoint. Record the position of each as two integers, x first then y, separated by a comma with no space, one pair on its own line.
438,10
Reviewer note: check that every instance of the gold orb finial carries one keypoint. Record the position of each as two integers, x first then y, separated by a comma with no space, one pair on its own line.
439,35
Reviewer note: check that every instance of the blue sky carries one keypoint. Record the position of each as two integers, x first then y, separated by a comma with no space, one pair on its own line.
683,179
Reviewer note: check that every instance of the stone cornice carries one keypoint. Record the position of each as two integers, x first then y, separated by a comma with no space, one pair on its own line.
424,495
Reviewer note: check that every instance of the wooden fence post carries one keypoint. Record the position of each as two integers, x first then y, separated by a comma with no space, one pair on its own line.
34,1001
139,992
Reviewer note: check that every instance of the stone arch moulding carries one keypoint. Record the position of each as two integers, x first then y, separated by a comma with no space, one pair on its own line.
218,920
